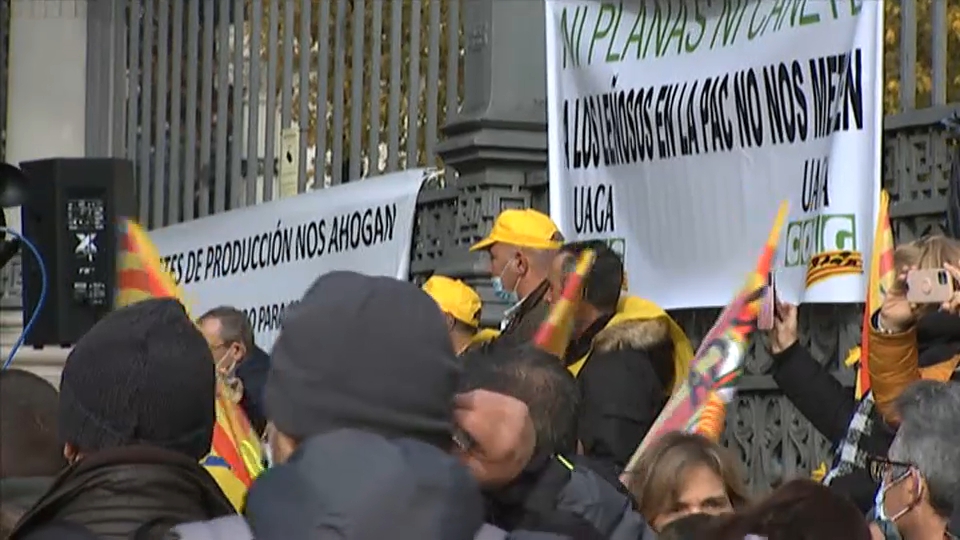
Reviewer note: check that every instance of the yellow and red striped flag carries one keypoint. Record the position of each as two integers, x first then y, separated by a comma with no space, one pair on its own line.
553,336
699,404
235,457
140,273
712,416
879,280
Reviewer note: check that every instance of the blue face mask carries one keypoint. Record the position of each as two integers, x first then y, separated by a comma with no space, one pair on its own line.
510,297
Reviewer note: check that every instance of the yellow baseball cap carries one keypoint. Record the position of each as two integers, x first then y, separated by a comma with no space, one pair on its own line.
455,298
523,228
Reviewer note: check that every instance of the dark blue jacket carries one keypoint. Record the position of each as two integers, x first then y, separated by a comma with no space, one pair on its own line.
253,374
355,485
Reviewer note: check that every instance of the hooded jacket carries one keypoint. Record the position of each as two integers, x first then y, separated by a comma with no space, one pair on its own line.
626,365
929,350
252,372
124,492
62,530
364,486
568,498
355,485
18,495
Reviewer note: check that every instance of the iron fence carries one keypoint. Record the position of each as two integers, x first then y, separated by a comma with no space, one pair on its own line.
225,104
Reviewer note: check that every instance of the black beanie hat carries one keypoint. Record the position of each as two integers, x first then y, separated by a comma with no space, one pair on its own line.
142,375
363,352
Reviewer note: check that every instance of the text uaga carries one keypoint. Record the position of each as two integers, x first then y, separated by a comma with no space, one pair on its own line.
593,210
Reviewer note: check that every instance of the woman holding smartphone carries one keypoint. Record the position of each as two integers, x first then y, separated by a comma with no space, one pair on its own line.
909,341
911,336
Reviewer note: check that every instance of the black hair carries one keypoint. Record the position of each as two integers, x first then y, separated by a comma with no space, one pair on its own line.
604,282
29,440
535,378
234,325
800,509
688,527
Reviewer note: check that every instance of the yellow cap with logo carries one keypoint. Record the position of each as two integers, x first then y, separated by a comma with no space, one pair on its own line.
455,298
522,228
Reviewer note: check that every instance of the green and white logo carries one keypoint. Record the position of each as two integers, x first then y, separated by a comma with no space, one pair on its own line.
819,234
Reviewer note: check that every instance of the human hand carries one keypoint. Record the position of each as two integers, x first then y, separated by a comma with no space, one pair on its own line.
897,313
502,433
784,332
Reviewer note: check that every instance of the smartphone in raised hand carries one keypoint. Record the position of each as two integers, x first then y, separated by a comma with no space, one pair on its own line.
932,286
768,305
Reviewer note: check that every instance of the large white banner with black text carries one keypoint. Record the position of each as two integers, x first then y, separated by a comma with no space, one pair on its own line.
676,127
262,258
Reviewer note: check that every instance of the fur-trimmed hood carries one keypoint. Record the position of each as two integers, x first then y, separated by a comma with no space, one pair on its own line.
633,334
642,325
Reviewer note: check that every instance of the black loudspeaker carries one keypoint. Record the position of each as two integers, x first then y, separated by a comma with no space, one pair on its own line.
71,214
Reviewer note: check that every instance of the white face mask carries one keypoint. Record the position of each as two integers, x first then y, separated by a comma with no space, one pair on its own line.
226,372
267,452
879,509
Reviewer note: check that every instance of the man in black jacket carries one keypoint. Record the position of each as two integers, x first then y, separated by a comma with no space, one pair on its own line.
230,337
550,392
136,416
625,355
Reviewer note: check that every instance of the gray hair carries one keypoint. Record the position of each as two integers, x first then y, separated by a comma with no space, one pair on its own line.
234,325
929,439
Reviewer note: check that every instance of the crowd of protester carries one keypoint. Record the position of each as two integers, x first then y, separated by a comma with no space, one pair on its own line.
386,411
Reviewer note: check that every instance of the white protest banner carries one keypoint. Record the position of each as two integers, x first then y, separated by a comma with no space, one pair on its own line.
262,258
677,126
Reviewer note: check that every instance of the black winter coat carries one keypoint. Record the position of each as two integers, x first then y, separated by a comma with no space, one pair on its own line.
623,385
124,493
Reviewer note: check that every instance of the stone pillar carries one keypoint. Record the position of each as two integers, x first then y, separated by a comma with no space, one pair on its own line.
499,137
46,117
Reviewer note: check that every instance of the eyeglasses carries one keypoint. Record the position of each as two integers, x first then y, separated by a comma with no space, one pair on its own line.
882,469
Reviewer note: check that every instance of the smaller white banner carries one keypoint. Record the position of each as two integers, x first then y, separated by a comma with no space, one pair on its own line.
262,258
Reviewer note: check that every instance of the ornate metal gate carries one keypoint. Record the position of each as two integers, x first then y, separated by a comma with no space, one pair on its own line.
217,101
